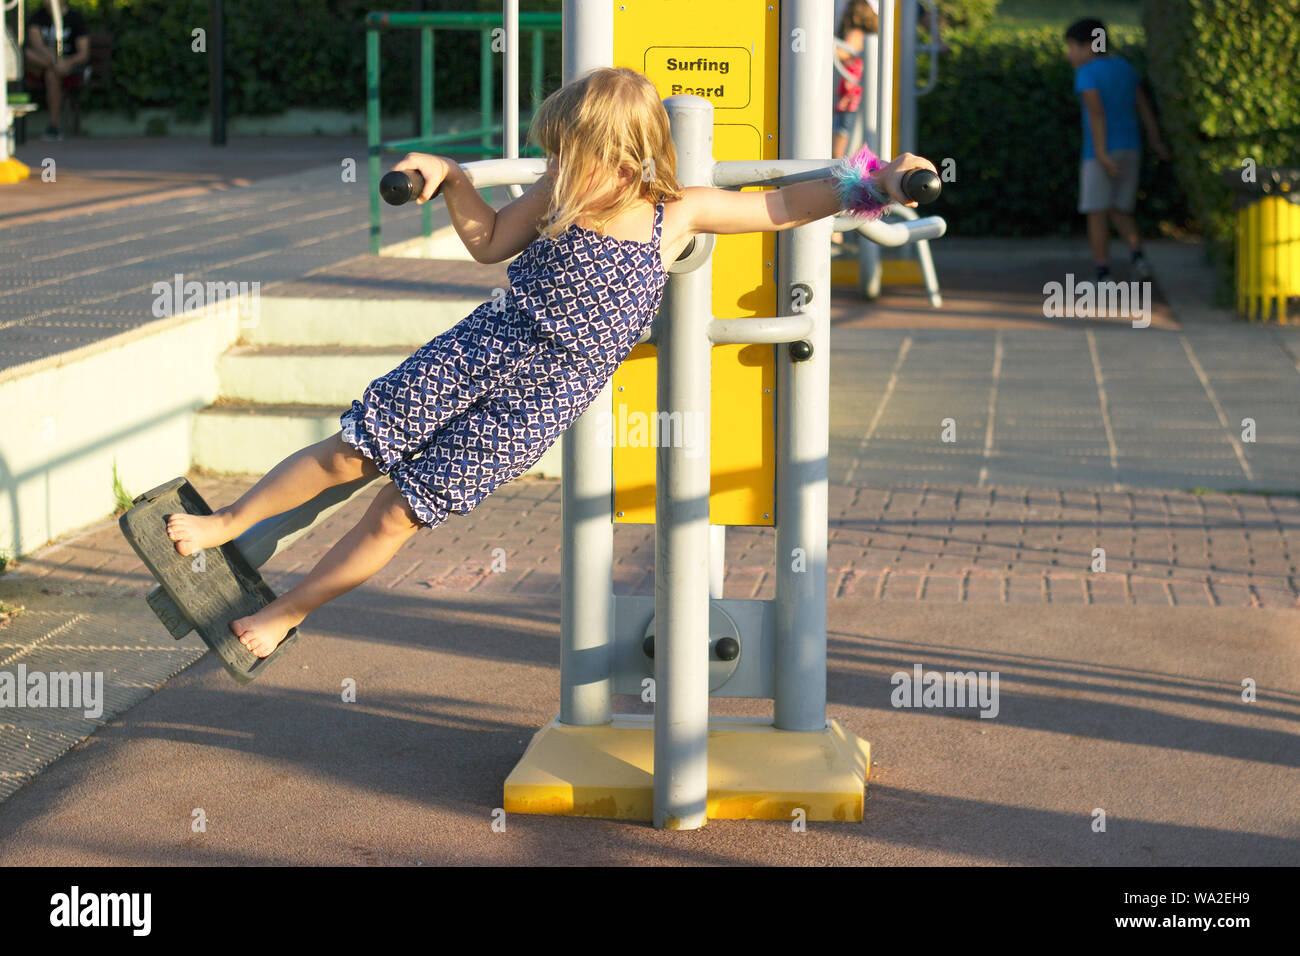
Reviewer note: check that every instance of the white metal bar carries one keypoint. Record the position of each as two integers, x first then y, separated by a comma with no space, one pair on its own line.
869,270
510,88
907,82
5,119
869,105
587,493
682,536
56,14
733,173
921,236
893,234
803,390
717,559
767,330
885,82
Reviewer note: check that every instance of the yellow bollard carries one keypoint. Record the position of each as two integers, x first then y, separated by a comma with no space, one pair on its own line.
12,171
1268,253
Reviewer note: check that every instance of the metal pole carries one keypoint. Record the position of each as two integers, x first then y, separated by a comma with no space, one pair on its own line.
717,558
56,18
217,72
486,75
374,132
907,83
803,390
510,90
682,537
587,492
869,105
6,121
426,113
416,78
538,55
869,272
510,109
885,81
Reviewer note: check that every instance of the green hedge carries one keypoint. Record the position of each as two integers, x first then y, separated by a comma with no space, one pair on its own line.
1004,108
1224,73
1005,111
313,56
962,15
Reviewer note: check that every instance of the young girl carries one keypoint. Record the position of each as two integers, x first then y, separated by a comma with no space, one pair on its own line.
480,403
859,19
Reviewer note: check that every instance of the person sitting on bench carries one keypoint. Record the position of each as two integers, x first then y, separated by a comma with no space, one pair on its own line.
50,73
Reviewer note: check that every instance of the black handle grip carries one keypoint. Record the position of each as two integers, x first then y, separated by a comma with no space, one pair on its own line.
922,186
402,186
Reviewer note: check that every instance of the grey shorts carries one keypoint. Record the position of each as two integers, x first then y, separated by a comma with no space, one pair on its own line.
1099,192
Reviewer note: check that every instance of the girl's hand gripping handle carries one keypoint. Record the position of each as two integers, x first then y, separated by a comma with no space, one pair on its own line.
866,186
921,186
419,176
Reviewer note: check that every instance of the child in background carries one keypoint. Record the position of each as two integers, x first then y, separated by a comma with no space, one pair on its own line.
859,19
1113,100
480,403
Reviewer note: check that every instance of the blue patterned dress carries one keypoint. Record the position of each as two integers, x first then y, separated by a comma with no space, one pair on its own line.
480,403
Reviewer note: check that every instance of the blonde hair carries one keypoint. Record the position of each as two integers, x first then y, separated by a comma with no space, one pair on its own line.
607,120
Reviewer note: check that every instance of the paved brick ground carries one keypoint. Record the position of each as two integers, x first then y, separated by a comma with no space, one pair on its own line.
973,545
1114,409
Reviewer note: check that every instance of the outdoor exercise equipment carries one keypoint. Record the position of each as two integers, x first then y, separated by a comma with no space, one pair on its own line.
755,332
227,587
687,643
920,185
11,69
886,120
203,591
477,139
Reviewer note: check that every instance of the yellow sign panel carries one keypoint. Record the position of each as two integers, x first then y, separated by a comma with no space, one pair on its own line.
719,74
667,40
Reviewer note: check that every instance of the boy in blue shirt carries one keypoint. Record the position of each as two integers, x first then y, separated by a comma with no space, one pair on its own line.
1113,100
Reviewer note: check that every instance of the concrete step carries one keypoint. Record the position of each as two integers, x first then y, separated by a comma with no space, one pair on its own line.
371,302
247,438
303,374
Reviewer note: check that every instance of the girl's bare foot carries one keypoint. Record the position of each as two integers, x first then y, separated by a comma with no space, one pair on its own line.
194,532
262,632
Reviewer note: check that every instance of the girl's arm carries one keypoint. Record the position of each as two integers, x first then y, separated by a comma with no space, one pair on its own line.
489,235
853,38
727,211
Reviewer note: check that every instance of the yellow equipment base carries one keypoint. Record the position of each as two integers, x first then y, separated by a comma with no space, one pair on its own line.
756,772
12,171
844,272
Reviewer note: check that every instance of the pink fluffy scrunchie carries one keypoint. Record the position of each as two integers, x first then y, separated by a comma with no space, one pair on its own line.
859,196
